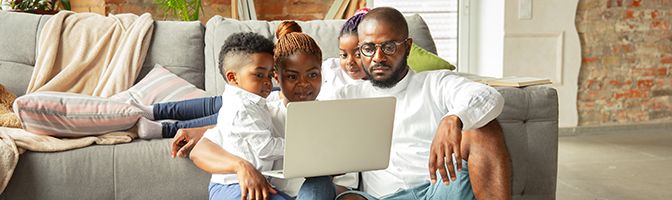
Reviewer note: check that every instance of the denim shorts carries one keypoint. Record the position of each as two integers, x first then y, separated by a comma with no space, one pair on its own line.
460,188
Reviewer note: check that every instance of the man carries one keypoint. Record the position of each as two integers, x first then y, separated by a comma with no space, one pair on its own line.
433,109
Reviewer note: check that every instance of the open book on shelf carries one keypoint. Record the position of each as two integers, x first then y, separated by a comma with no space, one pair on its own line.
514,81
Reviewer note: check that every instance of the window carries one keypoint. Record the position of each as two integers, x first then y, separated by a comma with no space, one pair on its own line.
440,15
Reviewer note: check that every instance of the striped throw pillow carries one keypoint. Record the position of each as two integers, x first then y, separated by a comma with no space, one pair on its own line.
73,115
160,85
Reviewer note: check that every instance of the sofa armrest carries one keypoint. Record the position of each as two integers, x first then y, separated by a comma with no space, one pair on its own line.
530,124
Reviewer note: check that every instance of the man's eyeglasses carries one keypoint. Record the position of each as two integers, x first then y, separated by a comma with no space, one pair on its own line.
389,47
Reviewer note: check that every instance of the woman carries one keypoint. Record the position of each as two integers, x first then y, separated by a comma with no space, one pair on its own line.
297,60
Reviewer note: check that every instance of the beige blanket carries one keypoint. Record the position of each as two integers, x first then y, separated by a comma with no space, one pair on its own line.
82,53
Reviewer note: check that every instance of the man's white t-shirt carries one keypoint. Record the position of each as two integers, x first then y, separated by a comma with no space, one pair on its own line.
423,99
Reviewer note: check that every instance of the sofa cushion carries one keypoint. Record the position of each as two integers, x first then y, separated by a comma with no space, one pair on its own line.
147,163
325,33
421,60
68,115
85,173
17,49
177,46
159,85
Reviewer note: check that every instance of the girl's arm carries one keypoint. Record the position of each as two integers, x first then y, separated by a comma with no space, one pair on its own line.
185,139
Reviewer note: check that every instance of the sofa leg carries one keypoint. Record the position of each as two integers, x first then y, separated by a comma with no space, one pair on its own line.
489,161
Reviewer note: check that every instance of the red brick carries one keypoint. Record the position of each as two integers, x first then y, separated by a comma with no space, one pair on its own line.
631,94
615,82
270,8
635,3
589,59
629,14
307,8
666,59
660,25
645,84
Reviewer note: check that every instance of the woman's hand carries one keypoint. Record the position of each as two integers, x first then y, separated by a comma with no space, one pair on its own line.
253,185
185,139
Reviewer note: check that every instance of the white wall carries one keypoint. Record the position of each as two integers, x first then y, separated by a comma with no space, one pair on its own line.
486,37
545,45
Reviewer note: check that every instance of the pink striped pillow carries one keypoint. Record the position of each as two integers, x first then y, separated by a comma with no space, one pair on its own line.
69,115
160,85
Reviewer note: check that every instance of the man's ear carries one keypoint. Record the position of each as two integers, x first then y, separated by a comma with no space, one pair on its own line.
230,76
409,44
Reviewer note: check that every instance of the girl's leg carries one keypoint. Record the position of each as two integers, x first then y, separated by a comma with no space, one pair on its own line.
187,109
169,129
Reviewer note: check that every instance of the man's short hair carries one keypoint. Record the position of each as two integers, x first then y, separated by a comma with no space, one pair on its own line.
390,16
238,48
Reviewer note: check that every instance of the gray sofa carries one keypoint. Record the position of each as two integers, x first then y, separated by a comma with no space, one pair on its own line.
143,169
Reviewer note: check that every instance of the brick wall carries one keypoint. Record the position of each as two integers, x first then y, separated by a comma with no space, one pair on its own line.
292,9
95,6
210,8
626,71
266,9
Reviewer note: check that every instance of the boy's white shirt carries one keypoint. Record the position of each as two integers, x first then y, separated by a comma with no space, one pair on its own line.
244,129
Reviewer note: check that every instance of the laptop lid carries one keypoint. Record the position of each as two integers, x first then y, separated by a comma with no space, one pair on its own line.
338,136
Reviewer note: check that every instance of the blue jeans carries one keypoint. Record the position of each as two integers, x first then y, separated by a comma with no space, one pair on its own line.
314,188
460,188
232,191
189,113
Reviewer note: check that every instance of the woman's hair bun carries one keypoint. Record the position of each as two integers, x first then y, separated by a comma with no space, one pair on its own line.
287,27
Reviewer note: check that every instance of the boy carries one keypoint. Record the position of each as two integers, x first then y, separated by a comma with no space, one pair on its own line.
244,124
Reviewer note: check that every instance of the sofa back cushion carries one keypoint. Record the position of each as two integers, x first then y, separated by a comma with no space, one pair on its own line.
178,46
325,33
18,38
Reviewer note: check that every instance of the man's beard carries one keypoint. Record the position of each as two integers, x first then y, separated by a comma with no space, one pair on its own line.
396,76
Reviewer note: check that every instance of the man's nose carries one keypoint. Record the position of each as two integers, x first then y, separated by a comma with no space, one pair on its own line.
379,55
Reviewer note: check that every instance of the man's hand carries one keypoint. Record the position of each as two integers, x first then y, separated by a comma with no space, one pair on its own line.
446,142
184,141
253,185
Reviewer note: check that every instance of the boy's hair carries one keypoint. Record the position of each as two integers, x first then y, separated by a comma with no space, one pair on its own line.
237,49
350,26
291,40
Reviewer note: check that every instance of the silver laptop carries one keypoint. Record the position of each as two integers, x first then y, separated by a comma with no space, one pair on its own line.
336,137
